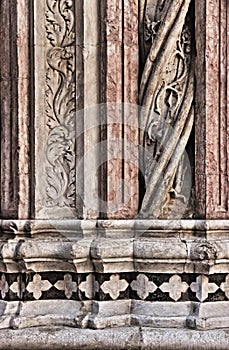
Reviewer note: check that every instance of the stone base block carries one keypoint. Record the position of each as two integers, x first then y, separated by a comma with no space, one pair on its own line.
134,338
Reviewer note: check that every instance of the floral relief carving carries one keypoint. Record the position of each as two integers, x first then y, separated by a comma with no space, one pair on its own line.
204,251
60,103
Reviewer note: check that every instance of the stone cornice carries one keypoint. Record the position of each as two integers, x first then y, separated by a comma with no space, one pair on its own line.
200,246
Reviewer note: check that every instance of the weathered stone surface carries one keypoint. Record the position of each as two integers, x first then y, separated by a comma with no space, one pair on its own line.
9,109
211,107
160,314
58,338
44,313
107,274
67,338
178,339
105,252
167,114
116,246
120,29
24,110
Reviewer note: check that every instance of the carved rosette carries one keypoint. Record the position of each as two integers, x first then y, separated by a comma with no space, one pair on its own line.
60,103
166,95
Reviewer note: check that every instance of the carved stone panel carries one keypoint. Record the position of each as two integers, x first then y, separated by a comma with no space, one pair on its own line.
60,104
57,99
166,96
86,154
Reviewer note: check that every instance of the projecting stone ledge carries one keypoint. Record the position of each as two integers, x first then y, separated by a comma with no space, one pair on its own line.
119,338
115,246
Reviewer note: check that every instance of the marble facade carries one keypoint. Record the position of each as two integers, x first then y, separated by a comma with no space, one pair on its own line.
114,174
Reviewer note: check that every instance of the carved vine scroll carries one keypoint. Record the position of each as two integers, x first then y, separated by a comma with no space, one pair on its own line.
166,94
60,103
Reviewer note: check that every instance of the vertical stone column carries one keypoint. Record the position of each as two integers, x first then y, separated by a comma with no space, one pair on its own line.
8,91
130,113
121,86
113,97
25,207
91,73
15,117
212,127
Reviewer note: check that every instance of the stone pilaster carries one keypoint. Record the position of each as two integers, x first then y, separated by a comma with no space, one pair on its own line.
120,30
8,90
15,111
212,144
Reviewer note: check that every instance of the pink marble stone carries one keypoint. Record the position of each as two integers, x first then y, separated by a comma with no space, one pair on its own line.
8,110
114,115
211,114
131,63
122,86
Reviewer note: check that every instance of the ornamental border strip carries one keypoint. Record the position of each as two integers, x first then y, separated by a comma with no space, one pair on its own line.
116,286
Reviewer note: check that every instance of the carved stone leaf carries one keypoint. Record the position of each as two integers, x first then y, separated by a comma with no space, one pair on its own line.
60,22
52,81
60,103
67,14
54,188
67,100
